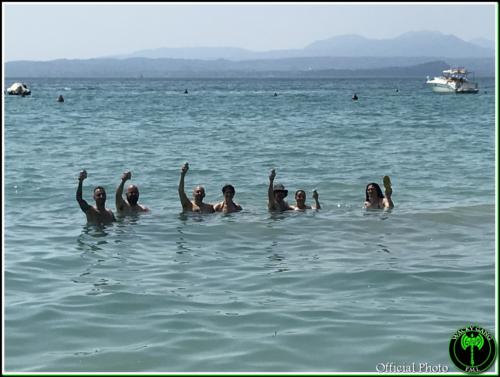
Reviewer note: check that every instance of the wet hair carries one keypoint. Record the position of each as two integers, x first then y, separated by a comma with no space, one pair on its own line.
377,188
228,187
296,192
99,188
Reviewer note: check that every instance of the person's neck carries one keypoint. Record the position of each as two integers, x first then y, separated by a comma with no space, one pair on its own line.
376,201
101,207
198,202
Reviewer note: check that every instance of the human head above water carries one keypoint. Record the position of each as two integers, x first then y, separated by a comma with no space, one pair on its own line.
378,191
132,194
199,192
229,188
300,195
279,189
99,194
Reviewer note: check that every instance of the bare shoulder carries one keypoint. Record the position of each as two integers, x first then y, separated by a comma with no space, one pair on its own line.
187,205
84,206
209,208
123,207
388,203
91,210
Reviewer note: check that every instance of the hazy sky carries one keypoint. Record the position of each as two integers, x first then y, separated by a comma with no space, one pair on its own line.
44,31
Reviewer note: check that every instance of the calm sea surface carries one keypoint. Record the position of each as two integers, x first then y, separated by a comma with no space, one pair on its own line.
337,290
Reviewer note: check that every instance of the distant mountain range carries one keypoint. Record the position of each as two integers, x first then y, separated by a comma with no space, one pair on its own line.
411,44
412,55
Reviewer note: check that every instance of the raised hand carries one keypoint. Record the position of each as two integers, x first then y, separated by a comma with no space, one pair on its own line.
83,175
126,176
387,186
272,174
185,168
315,195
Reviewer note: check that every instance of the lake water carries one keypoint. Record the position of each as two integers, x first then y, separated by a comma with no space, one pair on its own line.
338,290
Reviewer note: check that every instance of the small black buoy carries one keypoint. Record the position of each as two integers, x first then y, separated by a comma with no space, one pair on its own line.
355,97
186,91
275,94
60,98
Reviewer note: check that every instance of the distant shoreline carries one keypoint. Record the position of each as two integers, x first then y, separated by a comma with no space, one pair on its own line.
280,68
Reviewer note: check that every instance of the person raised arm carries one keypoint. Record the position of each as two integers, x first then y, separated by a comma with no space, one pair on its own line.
316,201
271,204
388,203
119,202
83,204
185,202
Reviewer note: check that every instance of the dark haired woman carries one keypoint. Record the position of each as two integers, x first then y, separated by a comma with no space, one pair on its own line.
374,199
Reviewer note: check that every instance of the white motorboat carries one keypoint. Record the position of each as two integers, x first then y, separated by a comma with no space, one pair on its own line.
18,89
454,80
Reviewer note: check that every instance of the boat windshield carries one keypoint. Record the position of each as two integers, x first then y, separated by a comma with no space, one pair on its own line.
456,74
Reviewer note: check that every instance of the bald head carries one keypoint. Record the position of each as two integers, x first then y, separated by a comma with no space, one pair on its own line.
132,194
199,193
